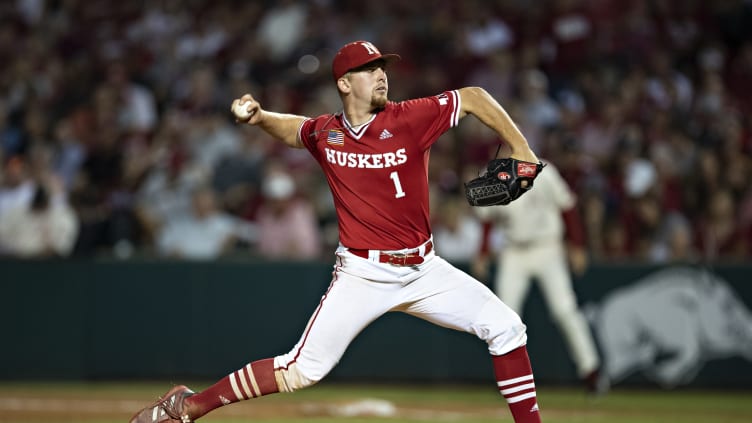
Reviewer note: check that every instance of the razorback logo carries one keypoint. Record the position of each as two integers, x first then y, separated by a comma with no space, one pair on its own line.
527,169
503,176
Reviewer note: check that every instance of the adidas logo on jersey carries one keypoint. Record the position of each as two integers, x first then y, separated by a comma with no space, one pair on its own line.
385,134
534,408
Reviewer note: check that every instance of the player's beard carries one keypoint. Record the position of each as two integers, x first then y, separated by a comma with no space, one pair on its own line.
378,101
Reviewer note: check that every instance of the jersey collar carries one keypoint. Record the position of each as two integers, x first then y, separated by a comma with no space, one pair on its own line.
357,131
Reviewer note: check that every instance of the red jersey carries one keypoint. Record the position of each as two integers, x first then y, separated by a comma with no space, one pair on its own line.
378,172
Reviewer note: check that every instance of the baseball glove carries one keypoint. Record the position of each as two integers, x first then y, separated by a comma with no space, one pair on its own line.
502,182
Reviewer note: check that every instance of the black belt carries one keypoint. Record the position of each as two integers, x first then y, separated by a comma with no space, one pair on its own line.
396,259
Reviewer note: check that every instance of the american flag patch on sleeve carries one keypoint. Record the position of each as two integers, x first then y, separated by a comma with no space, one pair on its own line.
335,137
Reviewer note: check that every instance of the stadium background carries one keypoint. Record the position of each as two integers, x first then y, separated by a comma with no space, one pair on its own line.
113,107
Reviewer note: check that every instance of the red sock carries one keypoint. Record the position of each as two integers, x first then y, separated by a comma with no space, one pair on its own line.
253,380
514,377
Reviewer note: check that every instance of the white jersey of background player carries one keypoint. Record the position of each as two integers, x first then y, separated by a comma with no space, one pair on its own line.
374,155
533,248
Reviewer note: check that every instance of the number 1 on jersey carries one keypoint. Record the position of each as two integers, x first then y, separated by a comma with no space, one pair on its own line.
397,185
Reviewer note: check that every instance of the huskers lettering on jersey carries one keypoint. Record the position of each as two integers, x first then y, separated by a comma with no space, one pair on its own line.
371,161
378,172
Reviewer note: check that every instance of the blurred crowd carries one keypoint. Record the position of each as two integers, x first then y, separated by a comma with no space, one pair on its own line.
116,137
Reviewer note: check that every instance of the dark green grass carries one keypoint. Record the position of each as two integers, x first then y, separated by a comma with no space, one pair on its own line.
115,402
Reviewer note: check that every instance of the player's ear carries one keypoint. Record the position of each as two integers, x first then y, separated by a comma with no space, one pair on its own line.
344,84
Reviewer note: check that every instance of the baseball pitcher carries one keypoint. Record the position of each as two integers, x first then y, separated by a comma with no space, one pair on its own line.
374,154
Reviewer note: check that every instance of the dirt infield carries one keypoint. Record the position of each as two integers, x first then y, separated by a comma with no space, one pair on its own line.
48,409
105,403
27,409
89,403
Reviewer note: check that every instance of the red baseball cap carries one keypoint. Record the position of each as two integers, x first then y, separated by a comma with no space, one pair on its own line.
357,54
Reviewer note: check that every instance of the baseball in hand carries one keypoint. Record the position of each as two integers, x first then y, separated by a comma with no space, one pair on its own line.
241,110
